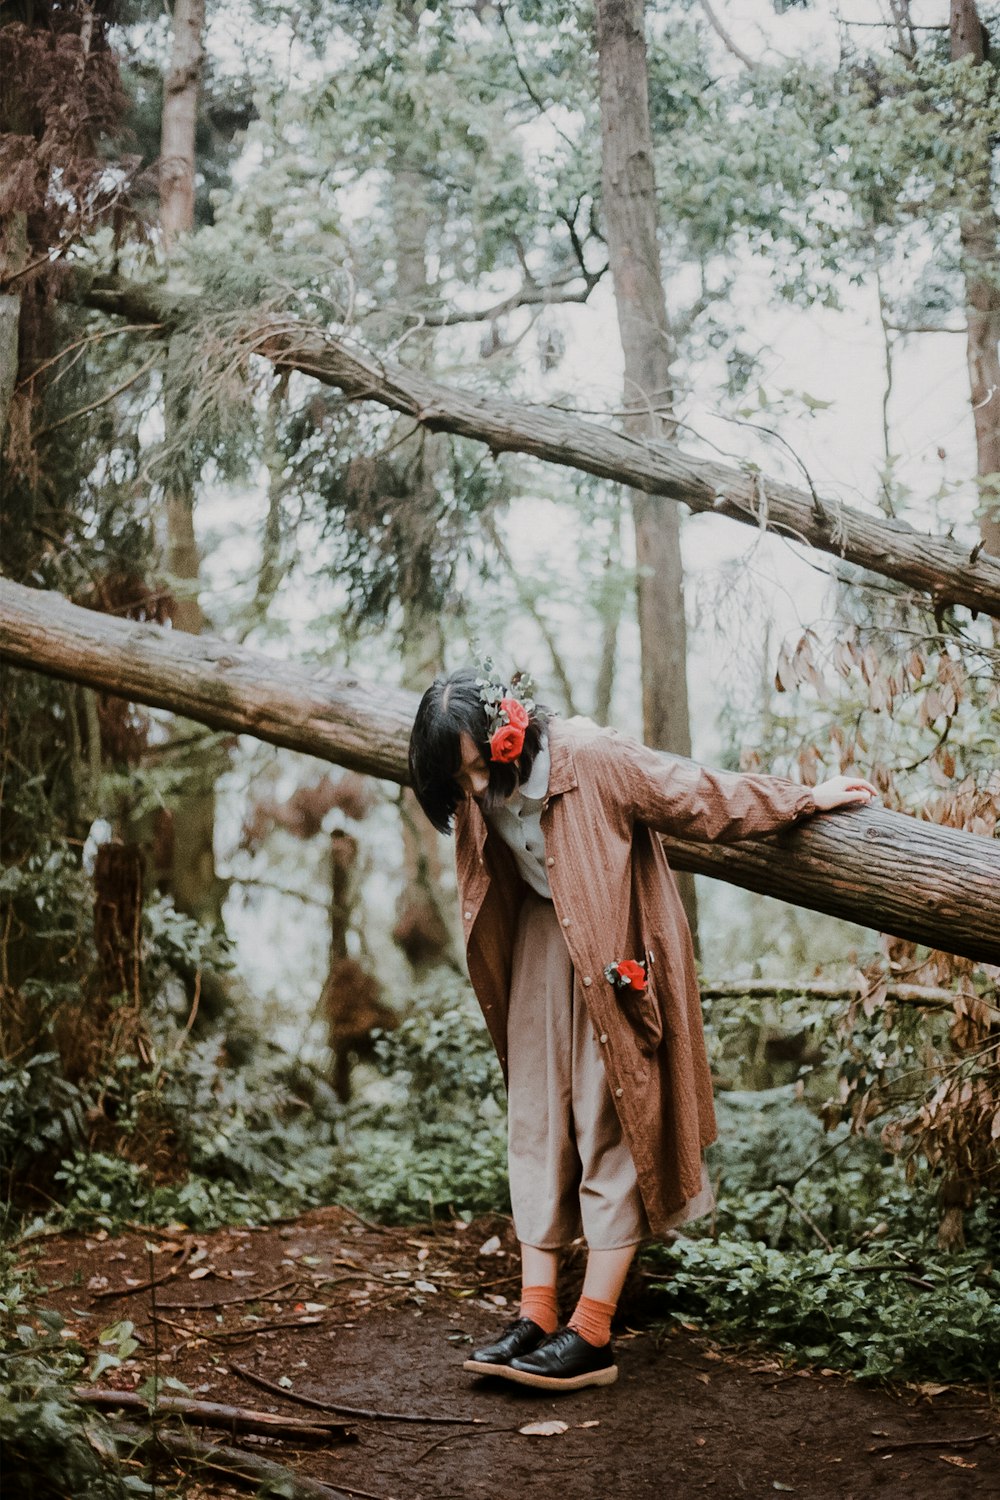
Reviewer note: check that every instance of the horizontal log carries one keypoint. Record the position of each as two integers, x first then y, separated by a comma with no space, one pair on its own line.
881,869
924,996
943,569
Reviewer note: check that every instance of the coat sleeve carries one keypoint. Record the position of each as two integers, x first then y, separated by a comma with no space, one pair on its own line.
677,796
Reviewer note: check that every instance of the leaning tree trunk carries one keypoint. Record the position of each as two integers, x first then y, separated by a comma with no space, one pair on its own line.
979,234
937,567
420,929
897,874
193,881
630,221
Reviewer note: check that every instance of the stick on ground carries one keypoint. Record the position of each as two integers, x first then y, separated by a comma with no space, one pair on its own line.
349,1411
238,1465
215,1414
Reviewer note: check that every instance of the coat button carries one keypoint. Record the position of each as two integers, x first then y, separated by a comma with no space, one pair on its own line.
565,921
618,1093
587,980
550,861
604,1037
468,916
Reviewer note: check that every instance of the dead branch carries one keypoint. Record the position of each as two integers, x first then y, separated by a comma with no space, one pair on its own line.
238,1465
348,1411
213,1414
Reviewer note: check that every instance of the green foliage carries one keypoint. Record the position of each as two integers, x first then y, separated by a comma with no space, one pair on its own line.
431,1135
882,1313
52,1446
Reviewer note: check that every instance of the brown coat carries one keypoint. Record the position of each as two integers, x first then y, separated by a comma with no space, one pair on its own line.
616,898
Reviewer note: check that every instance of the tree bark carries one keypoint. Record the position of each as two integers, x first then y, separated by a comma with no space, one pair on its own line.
980,236
13,258
630,222
181,92
882,869
893,549
194,884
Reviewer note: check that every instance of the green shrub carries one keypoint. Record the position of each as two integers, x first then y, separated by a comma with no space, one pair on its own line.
431,1134
875,1311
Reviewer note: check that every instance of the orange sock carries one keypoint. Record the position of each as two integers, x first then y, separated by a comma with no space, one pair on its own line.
539,1304
592,1320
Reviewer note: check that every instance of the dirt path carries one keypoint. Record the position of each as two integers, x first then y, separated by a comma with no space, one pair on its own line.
382,1319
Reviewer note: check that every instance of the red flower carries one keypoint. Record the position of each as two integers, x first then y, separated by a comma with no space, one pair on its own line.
633,972
516,712
507,743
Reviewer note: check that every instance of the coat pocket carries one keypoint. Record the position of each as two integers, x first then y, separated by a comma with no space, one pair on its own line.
641,1009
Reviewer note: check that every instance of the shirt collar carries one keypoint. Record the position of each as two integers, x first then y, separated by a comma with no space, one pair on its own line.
536,785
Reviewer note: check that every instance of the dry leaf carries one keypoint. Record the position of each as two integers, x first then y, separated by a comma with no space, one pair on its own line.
703,1378
544,1429
425,1286
199,1273
957,1460
491,1246
592,1423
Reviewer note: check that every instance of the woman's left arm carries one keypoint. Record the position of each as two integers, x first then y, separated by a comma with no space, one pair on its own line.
680,797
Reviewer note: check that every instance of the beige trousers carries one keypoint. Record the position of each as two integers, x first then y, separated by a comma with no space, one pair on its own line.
571,1172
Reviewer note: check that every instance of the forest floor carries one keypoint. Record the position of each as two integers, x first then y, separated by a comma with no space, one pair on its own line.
380,1319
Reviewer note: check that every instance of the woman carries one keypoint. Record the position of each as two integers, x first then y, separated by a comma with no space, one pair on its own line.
581,957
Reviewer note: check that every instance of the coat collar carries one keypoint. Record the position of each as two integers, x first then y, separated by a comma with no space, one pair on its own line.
562,778
562,769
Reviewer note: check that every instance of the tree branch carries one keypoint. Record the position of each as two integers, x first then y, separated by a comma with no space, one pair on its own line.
937,566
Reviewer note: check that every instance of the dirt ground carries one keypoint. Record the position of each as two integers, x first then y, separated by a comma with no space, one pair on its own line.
381,1319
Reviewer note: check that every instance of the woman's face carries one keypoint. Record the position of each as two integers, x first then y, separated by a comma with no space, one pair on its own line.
472,775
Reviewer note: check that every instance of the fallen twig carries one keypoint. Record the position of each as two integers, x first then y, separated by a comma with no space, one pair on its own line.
222,1334
258,1296
347,1411
376,1228
963,1442
458,1437
240,1466
145,1286
213,1414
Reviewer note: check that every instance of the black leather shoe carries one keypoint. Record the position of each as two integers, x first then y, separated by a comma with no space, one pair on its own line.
519,1337
565,1362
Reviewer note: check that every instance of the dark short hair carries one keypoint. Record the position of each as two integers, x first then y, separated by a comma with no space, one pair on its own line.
450,706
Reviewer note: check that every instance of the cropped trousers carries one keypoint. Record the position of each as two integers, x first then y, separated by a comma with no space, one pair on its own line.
571,1172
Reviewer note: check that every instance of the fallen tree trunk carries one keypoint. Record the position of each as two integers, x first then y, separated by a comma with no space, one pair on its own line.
937,566
882,869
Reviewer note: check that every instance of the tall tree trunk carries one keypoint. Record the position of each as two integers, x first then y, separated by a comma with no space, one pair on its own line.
979,233
421,929
13,258
193,881
630,221
181,93
890,872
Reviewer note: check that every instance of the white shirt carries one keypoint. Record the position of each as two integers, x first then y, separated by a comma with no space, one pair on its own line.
518,821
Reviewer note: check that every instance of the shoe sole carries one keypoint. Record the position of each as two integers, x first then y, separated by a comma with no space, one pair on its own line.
565,1383
479,1368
